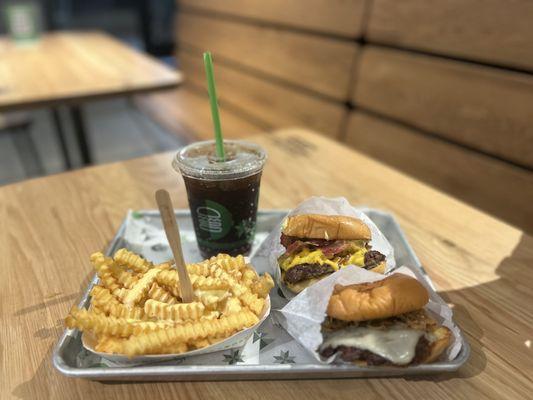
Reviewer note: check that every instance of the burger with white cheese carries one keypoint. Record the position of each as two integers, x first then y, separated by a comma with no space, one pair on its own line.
382,323
318,245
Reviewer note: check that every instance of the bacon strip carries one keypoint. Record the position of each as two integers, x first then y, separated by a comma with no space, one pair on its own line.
328,247
295,247
338,246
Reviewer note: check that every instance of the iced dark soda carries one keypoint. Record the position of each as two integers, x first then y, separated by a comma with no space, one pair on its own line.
223,195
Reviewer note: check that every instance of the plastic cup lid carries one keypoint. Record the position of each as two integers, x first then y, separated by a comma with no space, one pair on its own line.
199,160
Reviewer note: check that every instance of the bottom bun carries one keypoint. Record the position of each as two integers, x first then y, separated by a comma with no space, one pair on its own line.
440,343
380,268
299,286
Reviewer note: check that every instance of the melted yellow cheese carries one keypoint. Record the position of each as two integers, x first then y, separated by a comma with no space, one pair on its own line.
307,256
397,345
357,258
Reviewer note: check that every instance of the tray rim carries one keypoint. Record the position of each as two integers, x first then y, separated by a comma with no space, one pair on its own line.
254,371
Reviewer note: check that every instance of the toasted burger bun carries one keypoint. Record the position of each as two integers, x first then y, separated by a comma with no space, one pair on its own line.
329,227
299,286
394,295
380,268
443,337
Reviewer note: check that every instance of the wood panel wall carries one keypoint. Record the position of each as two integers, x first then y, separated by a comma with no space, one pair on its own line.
312,63
492,185
186,112
444,91
341,17
480,107
271,104
440,90
490,31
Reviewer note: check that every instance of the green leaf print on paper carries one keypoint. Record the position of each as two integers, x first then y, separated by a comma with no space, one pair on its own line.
284,358
233,357
136,215
245,229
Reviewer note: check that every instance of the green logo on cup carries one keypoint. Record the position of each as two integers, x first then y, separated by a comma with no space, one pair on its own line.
215,219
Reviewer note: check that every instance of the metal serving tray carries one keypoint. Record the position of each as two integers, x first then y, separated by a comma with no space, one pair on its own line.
270,354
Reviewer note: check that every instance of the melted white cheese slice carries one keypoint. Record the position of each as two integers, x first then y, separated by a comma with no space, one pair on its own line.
397,344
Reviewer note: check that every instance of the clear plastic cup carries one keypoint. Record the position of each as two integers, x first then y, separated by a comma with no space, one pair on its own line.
223,195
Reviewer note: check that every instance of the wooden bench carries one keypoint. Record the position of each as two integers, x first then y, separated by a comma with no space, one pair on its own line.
185,111
440,91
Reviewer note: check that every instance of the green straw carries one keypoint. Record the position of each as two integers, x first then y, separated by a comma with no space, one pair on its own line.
211,88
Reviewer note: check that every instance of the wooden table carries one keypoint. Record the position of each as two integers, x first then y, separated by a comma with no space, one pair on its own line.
72,68
51,225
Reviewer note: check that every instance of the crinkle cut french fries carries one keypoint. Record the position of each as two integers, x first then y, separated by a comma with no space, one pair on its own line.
136,308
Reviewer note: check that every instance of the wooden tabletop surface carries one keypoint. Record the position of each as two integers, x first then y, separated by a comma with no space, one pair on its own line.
74,66
51,225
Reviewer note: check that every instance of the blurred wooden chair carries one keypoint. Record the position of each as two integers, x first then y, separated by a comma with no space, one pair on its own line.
17,125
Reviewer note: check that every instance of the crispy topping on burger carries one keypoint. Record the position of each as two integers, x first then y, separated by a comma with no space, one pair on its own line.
382,323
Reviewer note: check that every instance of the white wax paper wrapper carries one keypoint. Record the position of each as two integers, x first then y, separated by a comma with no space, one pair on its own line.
143,236
327,206
303,315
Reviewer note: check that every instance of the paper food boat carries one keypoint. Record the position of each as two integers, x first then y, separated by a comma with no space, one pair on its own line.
236,340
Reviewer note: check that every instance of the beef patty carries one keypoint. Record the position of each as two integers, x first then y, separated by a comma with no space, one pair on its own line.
373,258
303,272
351,354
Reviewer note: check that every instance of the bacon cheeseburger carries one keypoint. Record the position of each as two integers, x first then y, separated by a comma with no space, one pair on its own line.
318,245
382,323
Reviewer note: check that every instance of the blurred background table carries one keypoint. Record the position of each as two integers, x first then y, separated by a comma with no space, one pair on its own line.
72,68
478,263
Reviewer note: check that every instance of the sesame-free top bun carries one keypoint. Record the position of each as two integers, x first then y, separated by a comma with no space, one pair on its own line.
329,227
397,294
